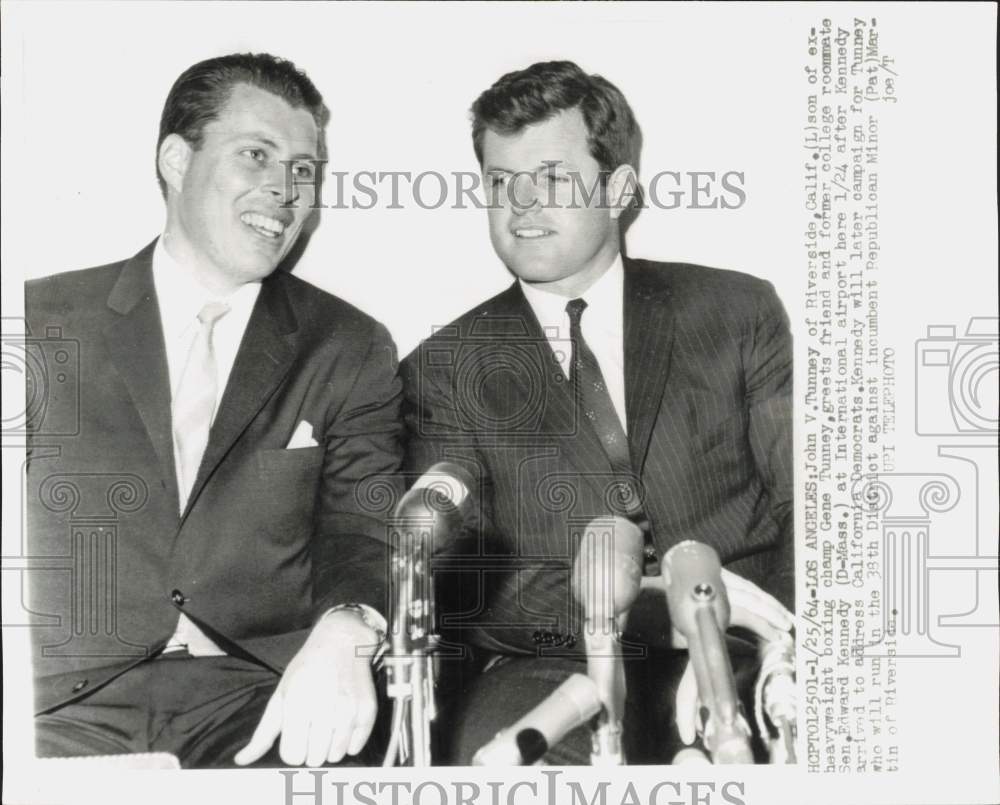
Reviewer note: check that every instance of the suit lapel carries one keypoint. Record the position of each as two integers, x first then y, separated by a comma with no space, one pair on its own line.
577,442
649,335
264,358
134,341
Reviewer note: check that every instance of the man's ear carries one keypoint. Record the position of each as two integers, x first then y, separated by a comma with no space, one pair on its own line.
172,159
623,189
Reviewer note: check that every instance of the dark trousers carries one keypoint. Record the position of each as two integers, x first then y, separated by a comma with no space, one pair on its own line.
201,709
492,700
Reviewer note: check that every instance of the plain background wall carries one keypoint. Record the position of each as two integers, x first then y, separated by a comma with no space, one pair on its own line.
715,88
82,118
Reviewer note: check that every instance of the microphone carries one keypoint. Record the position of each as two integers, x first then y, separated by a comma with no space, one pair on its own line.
426,514
608,568
438,493
424,518
573,703
606,578
699,610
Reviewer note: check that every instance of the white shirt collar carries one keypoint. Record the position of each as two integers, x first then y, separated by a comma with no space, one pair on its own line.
181,296
602,325
605,302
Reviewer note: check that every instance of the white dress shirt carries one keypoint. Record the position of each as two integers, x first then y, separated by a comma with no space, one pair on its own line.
180,297
602,324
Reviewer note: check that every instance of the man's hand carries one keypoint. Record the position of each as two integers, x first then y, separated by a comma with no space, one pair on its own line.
325,704
751,608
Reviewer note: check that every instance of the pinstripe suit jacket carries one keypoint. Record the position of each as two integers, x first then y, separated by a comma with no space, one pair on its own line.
708,402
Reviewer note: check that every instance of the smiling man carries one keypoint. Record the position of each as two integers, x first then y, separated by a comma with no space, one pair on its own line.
598,385
227,414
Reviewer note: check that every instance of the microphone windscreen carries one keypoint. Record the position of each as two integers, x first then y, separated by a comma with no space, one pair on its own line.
441,490
607,572
448,480
692,576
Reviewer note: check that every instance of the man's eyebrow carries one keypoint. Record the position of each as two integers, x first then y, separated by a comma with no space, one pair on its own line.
541,167
265,139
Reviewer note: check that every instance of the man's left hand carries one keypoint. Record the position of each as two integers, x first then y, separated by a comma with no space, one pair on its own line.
325,704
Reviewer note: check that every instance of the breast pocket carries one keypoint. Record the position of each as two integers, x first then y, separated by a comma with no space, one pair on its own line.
282,461
285,491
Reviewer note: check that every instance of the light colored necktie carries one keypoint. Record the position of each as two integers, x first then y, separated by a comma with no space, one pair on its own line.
194,403
192,411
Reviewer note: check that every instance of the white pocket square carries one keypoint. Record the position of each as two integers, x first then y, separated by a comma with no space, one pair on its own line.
303,437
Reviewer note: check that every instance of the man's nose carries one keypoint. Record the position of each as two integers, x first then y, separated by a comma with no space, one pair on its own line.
280,182
525,194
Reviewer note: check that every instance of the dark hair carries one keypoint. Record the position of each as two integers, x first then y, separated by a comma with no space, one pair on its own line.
538,92
200,93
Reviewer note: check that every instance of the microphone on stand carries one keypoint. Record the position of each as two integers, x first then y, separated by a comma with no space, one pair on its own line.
699,610
525,742
438,494
606,578
421,522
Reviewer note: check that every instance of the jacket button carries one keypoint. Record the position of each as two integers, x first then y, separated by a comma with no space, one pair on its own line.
178,598
80,685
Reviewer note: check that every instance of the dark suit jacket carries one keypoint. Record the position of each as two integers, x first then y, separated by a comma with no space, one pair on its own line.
708,396
270,537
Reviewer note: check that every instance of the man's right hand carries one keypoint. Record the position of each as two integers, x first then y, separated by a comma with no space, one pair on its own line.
325,704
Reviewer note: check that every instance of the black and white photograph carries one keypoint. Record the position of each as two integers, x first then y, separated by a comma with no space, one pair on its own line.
500,402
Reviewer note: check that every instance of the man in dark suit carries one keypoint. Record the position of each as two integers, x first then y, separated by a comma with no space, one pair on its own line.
221,578
597,385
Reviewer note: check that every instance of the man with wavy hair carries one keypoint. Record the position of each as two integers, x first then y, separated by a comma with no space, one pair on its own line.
236,605
597,385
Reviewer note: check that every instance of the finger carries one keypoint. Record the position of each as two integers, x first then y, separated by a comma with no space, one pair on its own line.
320,735
364,720
343,727
759,600
687,706
295,724
748,619
263,737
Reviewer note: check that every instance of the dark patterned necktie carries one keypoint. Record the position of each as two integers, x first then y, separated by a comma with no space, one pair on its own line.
595,407
593,400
